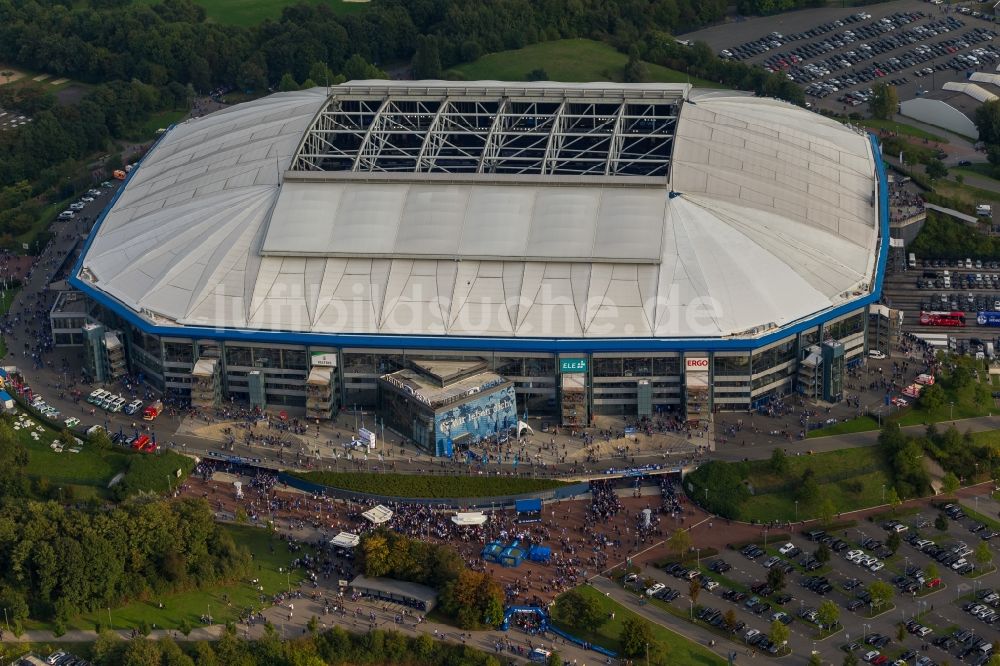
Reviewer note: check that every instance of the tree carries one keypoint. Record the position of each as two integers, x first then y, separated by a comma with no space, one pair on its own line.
994,660
827,511
679,542
426,61
141,652
932,398
357,68
287,83
776,578
893,541
984,556
881,593
637,637
635,68
815,660
779,461
730,618
931,570
779,633
537,74
375,555
884,102
935,169
694,589
555,659
849,660
828,614
949,483
822,553
941,522
987,119
580,611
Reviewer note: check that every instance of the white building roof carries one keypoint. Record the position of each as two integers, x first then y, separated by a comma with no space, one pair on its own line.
973,90
495,209
378,515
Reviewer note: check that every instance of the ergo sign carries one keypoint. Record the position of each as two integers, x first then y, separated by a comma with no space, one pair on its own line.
696,364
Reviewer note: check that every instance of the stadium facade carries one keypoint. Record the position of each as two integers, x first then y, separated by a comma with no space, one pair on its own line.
607,248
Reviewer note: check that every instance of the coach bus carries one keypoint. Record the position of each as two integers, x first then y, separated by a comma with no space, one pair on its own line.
942,319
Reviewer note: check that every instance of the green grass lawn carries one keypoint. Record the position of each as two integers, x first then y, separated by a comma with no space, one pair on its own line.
88,471
901,128
860,424
223,602
253,12
413,485
680,649
164,119
572,60
987,438
836,471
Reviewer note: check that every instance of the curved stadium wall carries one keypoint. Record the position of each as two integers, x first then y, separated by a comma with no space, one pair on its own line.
739,368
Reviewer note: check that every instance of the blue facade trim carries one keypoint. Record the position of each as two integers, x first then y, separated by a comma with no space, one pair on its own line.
548,345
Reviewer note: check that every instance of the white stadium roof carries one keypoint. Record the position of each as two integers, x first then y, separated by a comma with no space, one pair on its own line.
495,209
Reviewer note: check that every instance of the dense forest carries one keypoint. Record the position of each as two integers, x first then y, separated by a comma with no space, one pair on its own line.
141,59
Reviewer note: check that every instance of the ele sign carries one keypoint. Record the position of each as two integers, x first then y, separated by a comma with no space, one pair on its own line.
572,365
696,365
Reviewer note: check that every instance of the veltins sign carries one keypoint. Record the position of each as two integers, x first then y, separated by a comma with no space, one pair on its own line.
696,365
572,365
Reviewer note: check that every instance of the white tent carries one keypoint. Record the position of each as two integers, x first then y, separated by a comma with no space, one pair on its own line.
522,426
469,519
378,515
345,540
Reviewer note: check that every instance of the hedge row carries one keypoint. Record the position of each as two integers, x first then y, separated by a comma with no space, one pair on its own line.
430,487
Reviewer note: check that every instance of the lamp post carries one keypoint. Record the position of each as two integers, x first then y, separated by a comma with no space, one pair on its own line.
864,631
883,493
698,556
796,511
951,411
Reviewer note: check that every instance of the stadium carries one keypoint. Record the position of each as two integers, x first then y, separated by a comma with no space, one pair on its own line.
601,248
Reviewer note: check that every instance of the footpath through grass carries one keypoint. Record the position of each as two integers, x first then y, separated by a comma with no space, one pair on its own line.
570,60
271,562
412,485
679,650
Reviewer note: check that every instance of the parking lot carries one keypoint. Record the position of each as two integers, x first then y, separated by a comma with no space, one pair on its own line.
838,55
930,599
967,286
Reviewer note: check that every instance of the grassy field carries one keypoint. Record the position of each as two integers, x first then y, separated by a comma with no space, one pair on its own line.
680,649
147,130
571,60
988,438
254,12
860,424
901,128
411,485
774,496
224,603
88,471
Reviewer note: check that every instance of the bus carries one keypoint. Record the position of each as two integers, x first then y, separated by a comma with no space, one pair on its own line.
942,319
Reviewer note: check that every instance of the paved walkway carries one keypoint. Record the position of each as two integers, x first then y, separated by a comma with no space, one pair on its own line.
971,219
